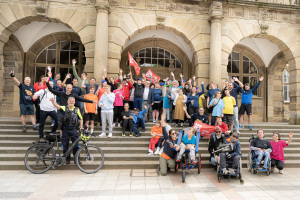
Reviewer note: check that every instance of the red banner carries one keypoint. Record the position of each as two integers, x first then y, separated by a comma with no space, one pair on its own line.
134,64
155,77
205,129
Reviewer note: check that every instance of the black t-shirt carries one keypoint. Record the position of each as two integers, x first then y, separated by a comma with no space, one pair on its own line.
76,90
26,93
139,90
126,113
197,116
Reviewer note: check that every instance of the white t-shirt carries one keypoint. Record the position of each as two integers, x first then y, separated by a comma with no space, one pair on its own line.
146,93
46,104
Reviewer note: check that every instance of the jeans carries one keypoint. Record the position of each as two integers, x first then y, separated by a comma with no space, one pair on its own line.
44,115
236,118
37,113
66,134
213,160
140,123
138,103
193,110
223,159
166,112
145,103
172,107
260,156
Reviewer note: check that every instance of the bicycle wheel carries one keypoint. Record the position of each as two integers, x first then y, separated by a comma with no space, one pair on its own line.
39,158
89,159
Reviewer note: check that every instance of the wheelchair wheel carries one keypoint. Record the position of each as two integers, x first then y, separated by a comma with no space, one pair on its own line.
254,171
268,172
242,181
218,173
176,167
249,162
199,164
183,176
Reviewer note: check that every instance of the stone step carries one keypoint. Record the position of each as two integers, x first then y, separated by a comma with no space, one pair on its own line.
129,150
133,157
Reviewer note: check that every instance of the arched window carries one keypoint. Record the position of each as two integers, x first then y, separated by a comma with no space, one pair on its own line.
242,67
286,86
59,56
156,57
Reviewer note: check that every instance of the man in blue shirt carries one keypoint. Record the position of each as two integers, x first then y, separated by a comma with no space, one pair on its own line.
210,94
139,121
246,104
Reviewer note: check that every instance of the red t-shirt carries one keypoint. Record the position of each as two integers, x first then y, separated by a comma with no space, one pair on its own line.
278,150
126,89
39,86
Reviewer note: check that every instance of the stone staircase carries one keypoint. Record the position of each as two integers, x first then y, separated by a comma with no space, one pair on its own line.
131,152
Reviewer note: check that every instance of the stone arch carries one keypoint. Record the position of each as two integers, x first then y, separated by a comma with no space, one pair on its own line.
82,21
283,36
195,32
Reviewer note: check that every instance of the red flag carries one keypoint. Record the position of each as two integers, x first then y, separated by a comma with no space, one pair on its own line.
205,129
155,77
134,64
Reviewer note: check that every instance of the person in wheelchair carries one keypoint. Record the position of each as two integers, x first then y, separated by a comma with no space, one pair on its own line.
216,139
234,155
71,114
262,148
170,147
188,142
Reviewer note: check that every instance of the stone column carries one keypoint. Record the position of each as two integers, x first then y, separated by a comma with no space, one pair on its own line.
215,17
101,39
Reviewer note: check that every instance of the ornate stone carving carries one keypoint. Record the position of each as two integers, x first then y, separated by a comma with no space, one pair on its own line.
160,21
215,10
103,7
171,7
239,13
263,28
150,5
132,3
115,2
41,8
160,4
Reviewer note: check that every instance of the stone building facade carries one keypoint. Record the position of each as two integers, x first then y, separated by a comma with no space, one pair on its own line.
210,39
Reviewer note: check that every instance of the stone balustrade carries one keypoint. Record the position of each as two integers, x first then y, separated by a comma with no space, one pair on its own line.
285,2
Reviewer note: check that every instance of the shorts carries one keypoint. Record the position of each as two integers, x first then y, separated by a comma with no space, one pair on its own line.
89,116
156,106
228,119
247,108
26,109
210,110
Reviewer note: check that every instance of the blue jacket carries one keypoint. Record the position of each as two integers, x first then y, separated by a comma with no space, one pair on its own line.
236,148
247,94
157,94
108,102
195,98
140,115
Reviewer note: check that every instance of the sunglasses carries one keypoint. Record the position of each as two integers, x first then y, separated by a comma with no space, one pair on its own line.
173,133
218,131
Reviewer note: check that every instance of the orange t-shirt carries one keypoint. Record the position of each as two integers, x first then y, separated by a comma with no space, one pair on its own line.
157,130
91,107
100,93
165,156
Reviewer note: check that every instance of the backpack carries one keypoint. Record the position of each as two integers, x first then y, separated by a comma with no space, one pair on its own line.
70,118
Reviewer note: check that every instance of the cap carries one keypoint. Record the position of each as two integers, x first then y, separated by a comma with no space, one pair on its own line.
139,79
218,128
182,80
103,81
170,79
162,84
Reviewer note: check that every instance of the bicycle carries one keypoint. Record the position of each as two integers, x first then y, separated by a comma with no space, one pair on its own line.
41,156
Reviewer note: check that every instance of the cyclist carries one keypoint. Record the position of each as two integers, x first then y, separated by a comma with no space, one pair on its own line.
71,114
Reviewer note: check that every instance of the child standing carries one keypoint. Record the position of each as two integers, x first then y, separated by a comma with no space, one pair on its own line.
156,133
188,142
118,105
90,109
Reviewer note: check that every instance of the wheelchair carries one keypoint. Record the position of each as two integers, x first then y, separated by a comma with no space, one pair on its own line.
251,161
185,163
223,149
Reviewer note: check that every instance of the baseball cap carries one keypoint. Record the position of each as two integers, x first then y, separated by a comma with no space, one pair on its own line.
161,84
103,81
183,80
139,79
170,79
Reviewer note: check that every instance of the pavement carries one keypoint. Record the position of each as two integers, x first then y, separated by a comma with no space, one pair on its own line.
146,184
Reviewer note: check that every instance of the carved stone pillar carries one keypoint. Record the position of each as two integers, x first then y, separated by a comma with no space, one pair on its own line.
215,17
101,39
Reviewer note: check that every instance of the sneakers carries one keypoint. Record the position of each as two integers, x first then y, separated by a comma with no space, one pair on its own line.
272,169
156,151
138,135
24,129
232,171
176,125
123,134
240,126
150,152
143,130
67,162
110,135
34,127
224,171
102,135
119,124
92,134
98,124
178,159
250,127
52,124
161,151
193,162
181,125
130,135
114,124
280,172
154,121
